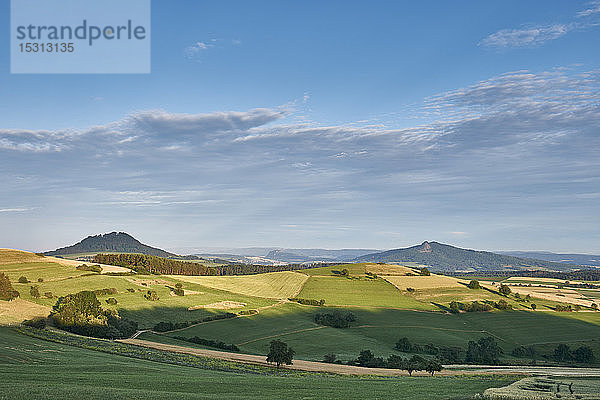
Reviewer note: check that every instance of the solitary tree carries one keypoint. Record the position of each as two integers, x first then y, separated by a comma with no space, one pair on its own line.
34,292
345,272
6,290
533,306
329,358
23,279
454,307
474,285
279,353
425,272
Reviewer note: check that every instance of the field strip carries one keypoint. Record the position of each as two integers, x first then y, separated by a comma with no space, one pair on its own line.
281,334
429,327
315,366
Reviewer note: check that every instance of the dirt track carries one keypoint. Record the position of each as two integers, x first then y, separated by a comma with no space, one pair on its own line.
314,366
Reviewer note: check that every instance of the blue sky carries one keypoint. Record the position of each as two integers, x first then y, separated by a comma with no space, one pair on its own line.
318,124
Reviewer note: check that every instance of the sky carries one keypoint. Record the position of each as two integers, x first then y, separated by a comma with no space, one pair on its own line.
329,124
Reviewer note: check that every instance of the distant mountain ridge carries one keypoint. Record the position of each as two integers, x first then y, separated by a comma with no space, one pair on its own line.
574,258
117,242
449,258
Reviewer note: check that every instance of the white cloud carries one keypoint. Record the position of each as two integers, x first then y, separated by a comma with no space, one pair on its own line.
531,36
594,8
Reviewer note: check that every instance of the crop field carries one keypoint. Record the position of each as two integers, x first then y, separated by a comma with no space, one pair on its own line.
34,369
278,285
544,388
423,282
342,291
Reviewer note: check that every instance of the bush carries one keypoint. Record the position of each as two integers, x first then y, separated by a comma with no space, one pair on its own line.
562,308
81,313
178,285
474,285
504,290
409,289
454,307
336,319
309,302
34,292
106,292
179,292
329,358
130,290
151,295
7,292
210,343
48,295
424,271
248,312
111,301
367,359
38,322
503,305
92,268
40,280
23,279
404,345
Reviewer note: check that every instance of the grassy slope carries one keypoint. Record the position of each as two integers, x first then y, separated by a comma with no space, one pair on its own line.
379,329
34,369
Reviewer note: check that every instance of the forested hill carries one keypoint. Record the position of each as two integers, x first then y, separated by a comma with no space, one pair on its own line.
449,258
116,242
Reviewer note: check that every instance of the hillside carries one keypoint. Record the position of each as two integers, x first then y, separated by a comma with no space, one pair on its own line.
444,257
114,242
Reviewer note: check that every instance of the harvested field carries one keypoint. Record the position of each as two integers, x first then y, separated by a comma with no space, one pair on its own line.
553,294
388,269
220,305
18,310
10,256
423,282
277,285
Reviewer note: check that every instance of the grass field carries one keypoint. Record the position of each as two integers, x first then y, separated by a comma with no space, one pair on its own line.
279,285
379,329
35,369
339,290
423,282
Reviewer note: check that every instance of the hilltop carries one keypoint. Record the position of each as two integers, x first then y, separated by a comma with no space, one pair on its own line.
449,258
114,242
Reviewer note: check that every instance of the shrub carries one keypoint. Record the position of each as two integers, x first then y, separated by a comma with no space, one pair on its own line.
367,359
562,308
562,353
7,292
130,290
336,319
111,301
454,307
404,345
34,292
48,295
38,322
81,313
409,289
23,279
424,271
106,292
503,305
40,280
474,285
248,312
179,292
504,290
151,295
533,306
178,285
584,355
329,358
210,343
309,302
92,268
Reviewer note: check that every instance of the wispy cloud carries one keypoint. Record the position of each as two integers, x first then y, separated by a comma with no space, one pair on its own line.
593,8
537,34
10,210
530,36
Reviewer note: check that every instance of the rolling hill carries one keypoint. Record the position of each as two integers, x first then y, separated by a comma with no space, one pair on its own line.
114,242
444,257
592,260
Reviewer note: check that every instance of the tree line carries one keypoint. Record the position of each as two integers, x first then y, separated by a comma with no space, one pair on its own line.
142,263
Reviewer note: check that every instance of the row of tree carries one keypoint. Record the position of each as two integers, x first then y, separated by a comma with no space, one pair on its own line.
142,263
366,358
